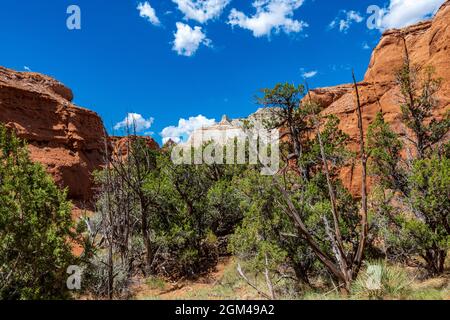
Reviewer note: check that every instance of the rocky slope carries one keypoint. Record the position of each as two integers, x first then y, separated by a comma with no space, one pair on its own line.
428,44
67,139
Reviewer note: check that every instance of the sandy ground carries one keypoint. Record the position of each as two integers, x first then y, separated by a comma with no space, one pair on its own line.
202,288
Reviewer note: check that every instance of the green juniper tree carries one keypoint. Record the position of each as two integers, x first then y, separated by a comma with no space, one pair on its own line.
267,244
418,90
413,199
339,234
36,227
193,206
285,104
187,209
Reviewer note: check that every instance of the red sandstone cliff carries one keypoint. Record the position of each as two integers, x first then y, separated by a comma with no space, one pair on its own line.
67,139
428,44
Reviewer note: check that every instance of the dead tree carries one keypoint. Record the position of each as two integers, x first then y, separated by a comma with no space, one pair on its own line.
363,156
285,101
133,169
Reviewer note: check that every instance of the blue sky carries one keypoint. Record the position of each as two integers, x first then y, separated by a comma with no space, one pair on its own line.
176,59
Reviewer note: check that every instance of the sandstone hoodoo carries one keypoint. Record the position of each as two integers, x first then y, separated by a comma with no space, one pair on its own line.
67,139
428,44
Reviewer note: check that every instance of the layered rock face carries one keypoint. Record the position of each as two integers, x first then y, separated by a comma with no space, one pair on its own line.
68,140
428,44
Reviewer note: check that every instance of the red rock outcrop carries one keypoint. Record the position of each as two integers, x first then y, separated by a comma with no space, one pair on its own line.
428,44
67,139
121,145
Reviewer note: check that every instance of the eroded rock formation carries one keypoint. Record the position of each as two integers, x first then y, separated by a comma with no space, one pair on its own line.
122,145
67,139
428,44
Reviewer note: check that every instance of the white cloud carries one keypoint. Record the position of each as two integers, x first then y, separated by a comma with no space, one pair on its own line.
26,68
345,19
134,122
185,127
188,40
402,13
201,10
146,11
271,15
308,74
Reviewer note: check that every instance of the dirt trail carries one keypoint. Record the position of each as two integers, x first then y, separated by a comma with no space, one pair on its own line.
185,289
